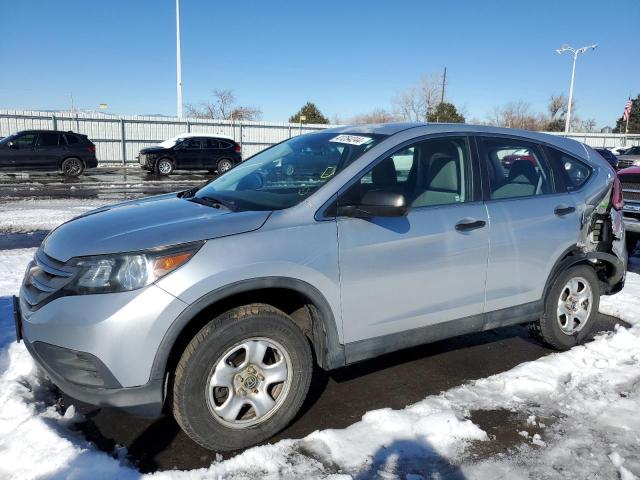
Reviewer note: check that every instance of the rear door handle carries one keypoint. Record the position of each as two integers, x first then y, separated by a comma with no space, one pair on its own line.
467,224
562,210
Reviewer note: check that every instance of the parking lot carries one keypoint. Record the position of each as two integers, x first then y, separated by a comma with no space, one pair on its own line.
336,401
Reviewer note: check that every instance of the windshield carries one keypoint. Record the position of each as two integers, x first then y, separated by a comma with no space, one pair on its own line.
170,142
287,173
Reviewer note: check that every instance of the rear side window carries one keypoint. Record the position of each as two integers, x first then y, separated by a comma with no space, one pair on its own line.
573,171
224,144
71,139
211,143
48,139
516,168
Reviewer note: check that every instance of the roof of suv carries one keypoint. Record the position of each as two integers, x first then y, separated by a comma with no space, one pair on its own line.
207,135
567,144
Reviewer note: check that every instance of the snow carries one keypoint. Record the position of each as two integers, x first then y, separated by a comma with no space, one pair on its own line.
22,216
587,397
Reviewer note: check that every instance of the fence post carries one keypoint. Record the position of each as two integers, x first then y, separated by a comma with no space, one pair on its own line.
188,126
123,145
54,122
289,130
240,141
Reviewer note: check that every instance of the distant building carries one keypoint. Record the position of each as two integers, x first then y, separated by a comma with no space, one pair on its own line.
606,130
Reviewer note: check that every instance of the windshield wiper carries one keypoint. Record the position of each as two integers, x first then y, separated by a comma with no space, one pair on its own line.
214,202
188,193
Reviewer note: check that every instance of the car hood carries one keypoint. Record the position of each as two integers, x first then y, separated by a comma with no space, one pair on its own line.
148,223
153,150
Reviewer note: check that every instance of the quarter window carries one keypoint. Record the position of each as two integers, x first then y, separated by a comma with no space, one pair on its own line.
516,169
429,173
72,139
574,172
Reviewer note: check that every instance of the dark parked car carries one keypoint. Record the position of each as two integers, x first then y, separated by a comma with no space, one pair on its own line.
191,152
67,152
608,156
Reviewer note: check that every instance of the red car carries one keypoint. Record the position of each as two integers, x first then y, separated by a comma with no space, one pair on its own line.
630,180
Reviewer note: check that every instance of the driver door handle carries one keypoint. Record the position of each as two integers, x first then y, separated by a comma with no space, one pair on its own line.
468,224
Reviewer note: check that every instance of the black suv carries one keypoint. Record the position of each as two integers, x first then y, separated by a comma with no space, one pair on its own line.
67,152
191,152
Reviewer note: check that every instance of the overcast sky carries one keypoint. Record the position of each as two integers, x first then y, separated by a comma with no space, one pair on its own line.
348,57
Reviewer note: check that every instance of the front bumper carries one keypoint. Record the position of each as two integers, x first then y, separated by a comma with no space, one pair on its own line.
632,219
100,349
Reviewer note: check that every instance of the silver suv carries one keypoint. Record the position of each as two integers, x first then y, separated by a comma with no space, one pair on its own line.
327,249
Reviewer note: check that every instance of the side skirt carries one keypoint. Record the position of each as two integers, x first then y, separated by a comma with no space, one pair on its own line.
373,347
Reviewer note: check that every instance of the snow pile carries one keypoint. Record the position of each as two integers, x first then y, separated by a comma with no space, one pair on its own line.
32,215
590,392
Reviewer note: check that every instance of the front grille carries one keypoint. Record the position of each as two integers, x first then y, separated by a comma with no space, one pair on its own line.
631,191
45,276
624,163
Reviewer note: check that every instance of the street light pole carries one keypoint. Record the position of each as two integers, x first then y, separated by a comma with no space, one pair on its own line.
575,52
178,60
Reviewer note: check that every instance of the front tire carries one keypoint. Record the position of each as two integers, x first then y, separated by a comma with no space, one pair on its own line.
164,166
242,378
224,165
571,308
72,167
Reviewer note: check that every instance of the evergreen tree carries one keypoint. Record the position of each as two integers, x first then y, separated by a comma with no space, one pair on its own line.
311,113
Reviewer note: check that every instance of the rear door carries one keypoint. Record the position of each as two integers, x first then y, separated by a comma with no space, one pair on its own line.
211,153
428,268
533,220
48,151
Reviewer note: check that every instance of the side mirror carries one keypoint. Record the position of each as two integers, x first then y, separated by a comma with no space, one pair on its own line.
376,204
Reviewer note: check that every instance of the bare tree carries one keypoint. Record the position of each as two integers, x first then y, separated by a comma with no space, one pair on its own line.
415,103
378,115
588,125
223,106
516,115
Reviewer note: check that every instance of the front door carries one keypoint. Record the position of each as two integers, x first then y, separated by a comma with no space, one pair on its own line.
189,155
22,151
403,273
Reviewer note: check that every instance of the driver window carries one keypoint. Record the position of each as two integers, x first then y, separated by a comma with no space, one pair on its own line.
25,141
191,144
428,173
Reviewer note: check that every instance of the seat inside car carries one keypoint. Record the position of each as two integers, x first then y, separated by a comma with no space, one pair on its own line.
522,181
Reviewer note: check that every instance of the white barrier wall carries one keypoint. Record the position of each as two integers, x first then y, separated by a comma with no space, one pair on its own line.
120,138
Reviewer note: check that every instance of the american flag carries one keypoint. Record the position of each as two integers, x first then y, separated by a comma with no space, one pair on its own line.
627,110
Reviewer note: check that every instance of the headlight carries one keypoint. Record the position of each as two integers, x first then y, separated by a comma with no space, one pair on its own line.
127,271
636,162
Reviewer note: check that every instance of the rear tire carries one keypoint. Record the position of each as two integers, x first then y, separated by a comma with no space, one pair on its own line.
571,308
242,378
164,166
72,167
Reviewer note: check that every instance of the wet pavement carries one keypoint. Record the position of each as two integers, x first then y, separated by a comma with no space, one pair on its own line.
117,183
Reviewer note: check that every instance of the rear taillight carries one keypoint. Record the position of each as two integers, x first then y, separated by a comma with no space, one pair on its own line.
91,148
238,148
616,197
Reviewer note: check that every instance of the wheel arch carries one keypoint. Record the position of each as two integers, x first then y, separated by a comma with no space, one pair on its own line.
608,268
311,311
67,157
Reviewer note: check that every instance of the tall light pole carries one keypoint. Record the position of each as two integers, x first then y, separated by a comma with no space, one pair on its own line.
575,52
178,60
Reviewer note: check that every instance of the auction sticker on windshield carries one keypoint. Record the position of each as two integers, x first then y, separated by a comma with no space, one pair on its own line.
351,139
